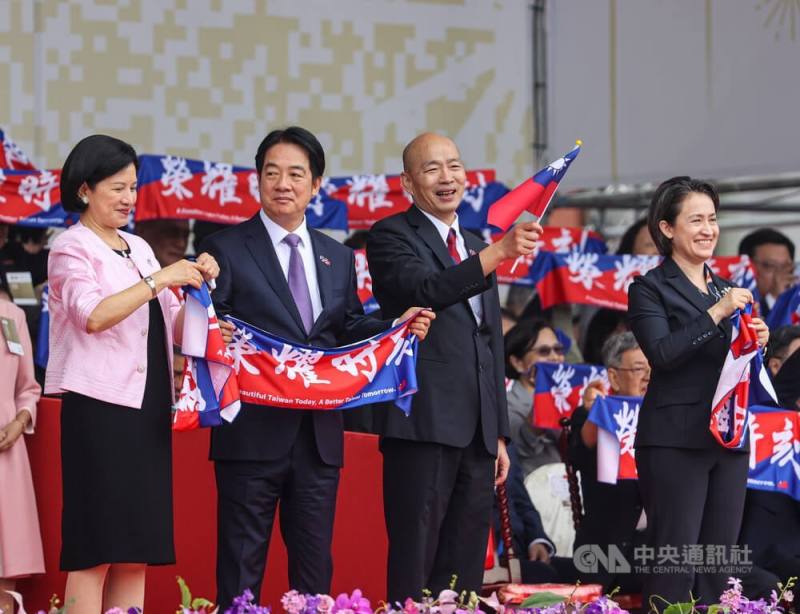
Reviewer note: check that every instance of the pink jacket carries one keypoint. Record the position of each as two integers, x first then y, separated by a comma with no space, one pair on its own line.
110,365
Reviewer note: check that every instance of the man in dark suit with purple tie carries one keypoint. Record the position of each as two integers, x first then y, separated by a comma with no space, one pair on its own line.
295,282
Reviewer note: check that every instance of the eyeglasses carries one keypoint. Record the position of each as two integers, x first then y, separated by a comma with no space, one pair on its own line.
636,370
543,351
770,266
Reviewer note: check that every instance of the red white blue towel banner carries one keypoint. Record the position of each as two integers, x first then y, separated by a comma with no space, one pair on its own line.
272,371
559,388
182,188
773,434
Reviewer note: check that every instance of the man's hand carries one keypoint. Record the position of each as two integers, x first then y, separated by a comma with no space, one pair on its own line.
538,552
519,241
593,390
502,463
421,323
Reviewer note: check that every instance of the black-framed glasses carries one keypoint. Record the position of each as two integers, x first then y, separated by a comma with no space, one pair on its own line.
636,370
543,351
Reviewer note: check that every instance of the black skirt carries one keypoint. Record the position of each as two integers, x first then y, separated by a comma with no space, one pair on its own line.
116,465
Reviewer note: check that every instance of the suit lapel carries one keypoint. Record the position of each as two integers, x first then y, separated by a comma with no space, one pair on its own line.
428,233
681,283
324,276
260,247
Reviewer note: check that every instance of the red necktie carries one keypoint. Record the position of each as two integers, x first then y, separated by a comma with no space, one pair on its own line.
451,246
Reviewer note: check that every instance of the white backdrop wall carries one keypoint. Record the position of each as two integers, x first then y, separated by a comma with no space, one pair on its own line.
209,78
657,88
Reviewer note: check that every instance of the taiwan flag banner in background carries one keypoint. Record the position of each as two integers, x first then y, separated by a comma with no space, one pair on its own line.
774,451
589,279
786,310
11,155
275,372
32,198
616,418
556,239
533,195
209,391
559,389
729,409
364,282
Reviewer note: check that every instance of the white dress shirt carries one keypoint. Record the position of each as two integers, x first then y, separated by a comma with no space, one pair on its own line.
443,229
283,251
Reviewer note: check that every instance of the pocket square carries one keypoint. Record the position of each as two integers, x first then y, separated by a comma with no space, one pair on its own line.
324,261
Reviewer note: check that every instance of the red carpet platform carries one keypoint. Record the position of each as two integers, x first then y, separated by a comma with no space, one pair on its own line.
359,542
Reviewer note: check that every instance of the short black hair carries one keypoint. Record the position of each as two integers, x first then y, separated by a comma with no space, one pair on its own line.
301,137
519,340
780,339
667,202
628,239
93,159
764,236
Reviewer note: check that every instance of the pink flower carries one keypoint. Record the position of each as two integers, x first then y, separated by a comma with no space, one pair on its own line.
448,601
410,606
356,602
325,604
293,602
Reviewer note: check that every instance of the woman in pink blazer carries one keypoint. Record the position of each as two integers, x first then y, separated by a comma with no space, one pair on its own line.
20,542
113,320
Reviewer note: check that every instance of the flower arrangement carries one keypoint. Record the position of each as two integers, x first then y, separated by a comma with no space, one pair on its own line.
732,601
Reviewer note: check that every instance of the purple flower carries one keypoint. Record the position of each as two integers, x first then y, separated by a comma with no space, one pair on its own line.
293,602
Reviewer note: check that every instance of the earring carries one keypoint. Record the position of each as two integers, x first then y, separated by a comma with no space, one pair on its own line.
85,199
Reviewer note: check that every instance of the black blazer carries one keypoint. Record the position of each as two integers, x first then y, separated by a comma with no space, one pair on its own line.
460,364
668,315
252,287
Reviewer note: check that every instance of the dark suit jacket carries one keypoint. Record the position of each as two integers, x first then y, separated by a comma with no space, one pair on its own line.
460,364
668,315
252,287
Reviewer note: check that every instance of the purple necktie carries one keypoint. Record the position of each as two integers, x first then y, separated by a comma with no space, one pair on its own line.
298,284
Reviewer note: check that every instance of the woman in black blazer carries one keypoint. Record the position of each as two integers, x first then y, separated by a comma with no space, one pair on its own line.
692,487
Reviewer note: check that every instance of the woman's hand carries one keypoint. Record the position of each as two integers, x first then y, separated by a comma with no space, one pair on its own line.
10,433
208,266
735,298
180,274
227,329
421,322
761,330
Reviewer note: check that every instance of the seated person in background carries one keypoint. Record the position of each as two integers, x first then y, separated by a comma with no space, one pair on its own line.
167,238
31,252
611,512
526,344
637,240
202,230
596,324
531,544
772,255
783,362
771,522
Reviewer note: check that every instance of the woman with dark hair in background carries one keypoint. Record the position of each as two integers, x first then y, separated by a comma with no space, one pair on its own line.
693,487
21,552
526,344
113,319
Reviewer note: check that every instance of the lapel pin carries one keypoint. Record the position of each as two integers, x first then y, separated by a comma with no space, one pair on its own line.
324,260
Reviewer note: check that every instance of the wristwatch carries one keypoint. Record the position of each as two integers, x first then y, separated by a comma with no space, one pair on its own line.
151,284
